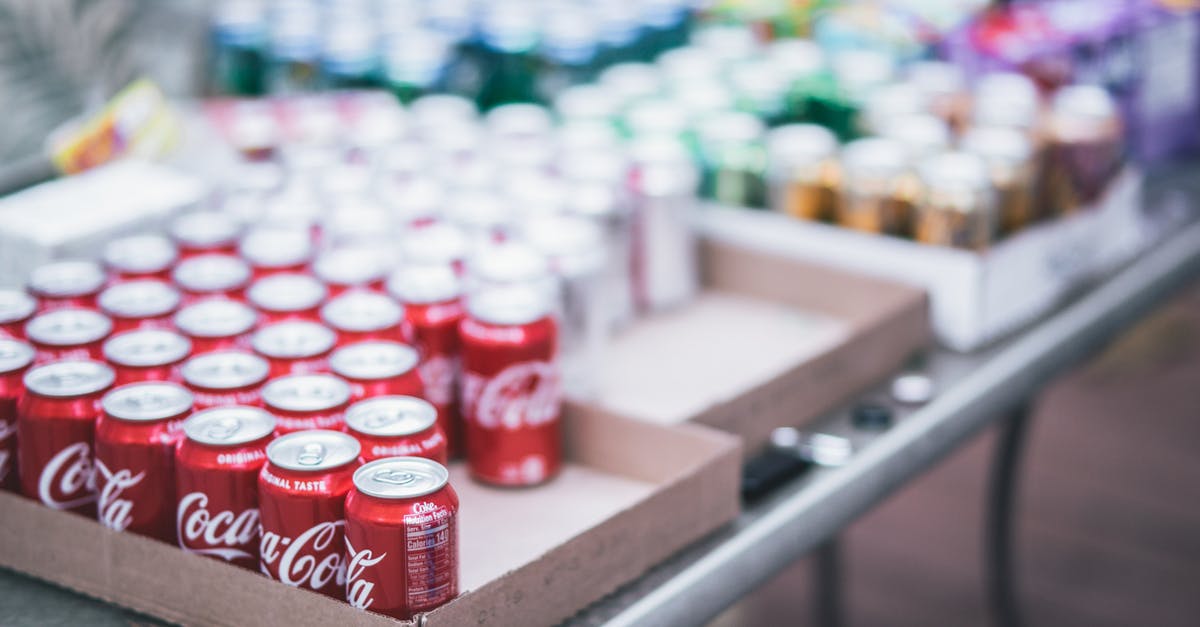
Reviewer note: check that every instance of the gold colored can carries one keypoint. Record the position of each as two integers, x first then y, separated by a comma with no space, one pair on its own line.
1086,147
878,190
957,203
945,91
803,171
1011,165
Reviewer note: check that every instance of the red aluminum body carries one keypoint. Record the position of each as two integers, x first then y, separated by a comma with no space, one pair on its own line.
271,251
135,457
15,359
295,347
301,499
216,483
360,316
68,334
147,355
217,325
204,233
401,545
140,257
66,284
205,277
16,309
511,391
282,297
301,402
225,378
397,426
140,304
379,369
56,424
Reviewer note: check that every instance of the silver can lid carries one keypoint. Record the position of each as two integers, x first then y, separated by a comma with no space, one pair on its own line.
229,426
728,42
211,273
519,120
286,292
298,338
305,392
893,101
573,245
955,171
400,477
631,81
440,242
579,139
508,262
370,361
225,370
688,63
139,299
349,266
657,115
216,318
16,305
276,247
204,229
425,284
147,347
14,355
511,304
796,58
1005,99
68,327
314,450
922,134
391,416
861,70
478,210
586,102
874,156
937,78
362,311
140,253
998,144
435,109
67,278
147,402
800,144
69,378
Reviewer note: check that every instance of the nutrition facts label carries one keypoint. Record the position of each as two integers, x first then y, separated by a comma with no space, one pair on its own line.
431,563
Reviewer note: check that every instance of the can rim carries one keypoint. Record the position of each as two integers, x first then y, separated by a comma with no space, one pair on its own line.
174,400
101,374
95,327
368,477
165,347
257,371
345,451
15,355
141,298
322,341
391,416
209,425
16,305
335,393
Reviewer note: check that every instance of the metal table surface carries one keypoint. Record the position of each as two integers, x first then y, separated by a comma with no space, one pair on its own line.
971,391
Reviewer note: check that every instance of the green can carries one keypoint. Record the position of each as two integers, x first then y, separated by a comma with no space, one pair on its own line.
733,159
239,39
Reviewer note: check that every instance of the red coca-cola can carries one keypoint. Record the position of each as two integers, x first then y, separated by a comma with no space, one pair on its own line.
401,537
306,401
343,269
140,304
295,347
511,390
225,378
206,277
283,297
204,233
135,457
56,424
67,284
217,325
147,355
139,257
301,499
68,334
359,315
439,243
432,301
216,483
277,250
378,369
16,309
15,358
397,426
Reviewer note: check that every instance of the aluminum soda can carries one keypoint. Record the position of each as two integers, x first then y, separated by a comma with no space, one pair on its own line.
306,401
216,483
147,355
511,389
275,250
282,297
401,537
204,233
16,309
803,171
217,325
397,426
140,304
342,269
139,257
224,378
15,358
379,368
295,347
209,276
360,316
301,498
663,195
67,334
957,206
71,284
135,457
56,425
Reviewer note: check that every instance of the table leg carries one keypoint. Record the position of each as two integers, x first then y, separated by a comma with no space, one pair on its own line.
827,584
999,541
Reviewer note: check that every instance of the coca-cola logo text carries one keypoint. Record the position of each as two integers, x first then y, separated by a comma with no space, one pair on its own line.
115,512
224,534
300,559
358,591
522,395
437,374
68,474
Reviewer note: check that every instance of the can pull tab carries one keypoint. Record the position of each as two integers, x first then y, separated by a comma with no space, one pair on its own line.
311,455
394,477
223,429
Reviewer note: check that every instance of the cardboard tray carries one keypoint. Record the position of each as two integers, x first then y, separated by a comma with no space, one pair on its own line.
976,297
528,557
771,341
